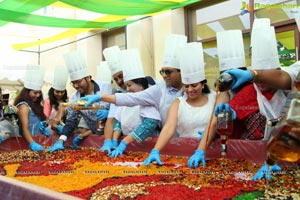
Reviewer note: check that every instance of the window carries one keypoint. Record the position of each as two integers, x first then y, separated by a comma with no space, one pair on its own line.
210,17
114,37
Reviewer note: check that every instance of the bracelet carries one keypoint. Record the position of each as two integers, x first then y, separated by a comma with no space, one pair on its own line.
254,75
56,120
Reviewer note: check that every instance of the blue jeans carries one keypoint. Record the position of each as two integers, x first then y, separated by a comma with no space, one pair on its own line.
73,118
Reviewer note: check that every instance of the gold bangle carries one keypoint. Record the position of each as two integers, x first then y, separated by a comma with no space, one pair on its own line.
254,75
56,120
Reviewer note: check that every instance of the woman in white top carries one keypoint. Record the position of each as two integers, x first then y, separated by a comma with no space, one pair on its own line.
188,114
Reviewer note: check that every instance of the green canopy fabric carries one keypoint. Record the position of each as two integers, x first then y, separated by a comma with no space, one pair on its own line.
24,6
30,19
18,11
126,7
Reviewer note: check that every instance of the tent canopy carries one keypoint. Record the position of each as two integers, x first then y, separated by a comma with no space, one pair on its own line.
66,18
28,24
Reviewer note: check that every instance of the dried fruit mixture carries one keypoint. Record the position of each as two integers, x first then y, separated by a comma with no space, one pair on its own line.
90,174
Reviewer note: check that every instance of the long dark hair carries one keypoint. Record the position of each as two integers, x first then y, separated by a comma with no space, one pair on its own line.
205,89
141,81
36,107
53,100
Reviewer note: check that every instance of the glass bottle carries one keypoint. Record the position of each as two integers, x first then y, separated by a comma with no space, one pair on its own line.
79,105
224,129
224,82
285,143
11,115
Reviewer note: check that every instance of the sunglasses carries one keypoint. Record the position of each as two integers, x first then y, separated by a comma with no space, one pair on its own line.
167,72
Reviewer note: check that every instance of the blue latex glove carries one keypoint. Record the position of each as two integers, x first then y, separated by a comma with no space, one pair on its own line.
200,135
154,156
221,106
60,128
44,129
114,144
102,114
91,99
58,145
76,141
240,76
263,172
43,124
35,146
107,146
46,132
1,139
119,151
196,158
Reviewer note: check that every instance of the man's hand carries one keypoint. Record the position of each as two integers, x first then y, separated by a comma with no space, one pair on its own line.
240,77
102,114
224,107
264,172
91,99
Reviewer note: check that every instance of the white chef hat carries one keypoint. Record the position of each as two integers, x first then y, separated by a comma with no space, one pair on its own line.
264,49
76,65
230,49
103,72
259,24
60,78
34,77
132,64
172,43
112,57
192,63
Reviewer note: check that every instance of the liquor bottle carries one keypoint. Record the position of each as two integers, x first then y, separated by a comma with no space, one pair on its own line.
15,126
285,145
10,113
224,82
79,105
224,129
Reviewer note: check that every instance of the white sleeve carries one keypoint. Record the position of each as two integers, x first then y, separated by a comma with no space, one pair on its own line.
112,111
293,71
